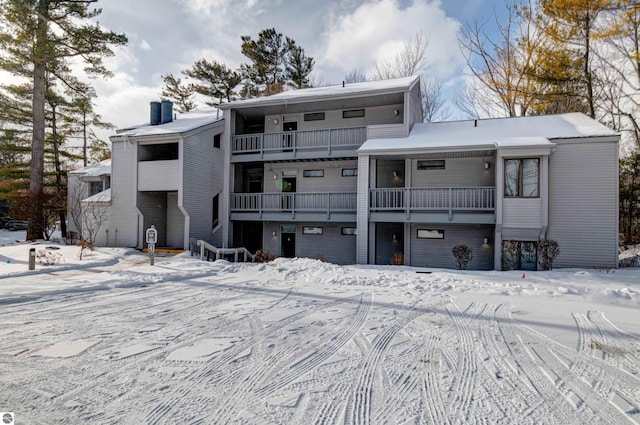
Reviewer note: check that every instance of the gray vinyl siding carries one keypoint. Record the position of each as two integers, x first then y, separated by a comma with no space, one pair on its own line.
153,206
175,222
522,213
333,119
438,252
362,254
124,227
415,105
331,245
384,173
203,178
583,203
332,181
458,172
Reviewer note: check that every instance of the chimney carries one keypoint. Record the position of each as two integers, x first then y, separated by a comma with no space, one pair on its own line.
166,109
155,109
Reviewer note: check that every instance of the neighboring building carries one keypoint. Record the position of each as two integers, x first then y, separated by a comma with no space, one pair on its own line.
88,187
350,174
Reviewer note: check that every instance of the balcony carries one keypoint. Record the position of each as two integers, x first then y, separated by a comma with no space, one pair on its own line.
334,206
432,204
307,144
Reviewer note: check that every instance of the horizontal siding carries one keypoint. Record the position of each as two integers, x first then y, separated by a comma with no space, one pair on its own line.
331,182
202,179
153,206
331,245
583,208
123,224
158,175
522,213
438,252
387,130
457,172
333,119
175,222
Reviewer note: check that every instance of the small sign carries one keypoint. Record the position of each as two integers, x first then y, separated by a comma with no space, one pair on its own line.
152,235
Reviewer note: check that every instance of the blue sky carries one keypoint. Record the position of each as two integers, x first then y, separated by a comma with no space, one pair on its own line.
169,35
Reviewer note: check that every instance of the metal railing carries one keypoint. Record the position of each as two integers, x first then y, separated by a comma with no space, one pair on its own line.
327,202
416,199
294,141
207,251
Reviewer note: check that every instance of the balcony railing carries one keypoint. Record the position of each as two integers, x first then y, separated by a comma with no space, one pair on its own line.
296,141
324,202
433,199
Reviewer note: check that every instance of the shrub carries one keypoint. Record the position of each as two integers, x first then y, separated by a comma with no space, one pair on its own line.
548,250
463,256
510,251
264,256
397,259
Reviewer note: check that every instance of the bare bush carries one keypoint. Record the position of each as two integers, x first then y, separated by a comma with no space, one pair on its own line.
463,255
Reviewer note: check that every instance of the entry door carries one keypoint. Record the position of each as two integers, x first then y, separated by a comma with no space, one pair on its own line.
288,138
288,248
288,192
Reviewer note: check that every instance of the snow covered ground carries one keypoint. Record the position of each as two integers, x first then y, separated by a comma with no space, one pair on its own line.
111,339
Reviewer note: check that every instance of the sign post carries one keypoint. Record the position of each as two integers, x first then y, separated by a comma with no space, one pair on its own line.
152,239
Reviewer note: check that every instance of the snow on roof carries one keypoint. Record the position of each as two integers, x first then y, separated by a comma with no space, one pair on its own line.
102,168
184,122
492,133
104,196
315,93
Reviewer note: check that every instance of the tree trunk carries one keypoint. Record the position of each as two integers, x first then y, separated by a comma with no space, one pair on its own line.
36,178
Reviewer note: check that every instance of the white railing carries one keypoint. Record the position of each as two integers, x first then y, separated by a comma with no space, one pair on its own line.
294,202
294,141
207,251
431,199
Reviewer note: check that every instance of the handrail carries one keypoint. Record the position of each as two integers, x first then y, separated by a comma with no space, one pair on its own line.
294,141
220,252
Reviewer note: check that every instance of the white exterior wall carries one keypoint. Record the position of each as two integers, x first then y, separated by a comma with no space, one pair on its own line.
125,225
583,202
76,191
158,175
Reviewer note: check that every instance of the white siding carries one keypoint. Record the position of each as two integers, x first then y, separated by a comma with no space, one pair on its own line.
362,239
76,192
158,175
99,214
583,203
124,229
387,130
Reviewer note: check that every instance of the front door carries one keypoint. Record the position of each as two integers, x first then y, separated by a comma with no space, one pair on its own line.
288,137
288,245
288,192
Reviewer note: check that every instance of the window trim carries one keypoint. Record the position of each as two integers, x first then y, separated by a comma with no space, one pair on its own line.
434,164
312,230
217,140
314,116
521,178
345,232
350,172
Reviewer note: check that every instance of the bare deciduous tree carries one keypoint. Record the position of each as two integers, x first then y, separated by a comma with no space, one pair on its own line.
356,75
411,60
88,217
433,106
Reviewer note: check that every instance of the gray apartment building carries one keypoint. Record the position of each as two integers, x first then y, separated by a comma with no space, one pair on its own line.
351,174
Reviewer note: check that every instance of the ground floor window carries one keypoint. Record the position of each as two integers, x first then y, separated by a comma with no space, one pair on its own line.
519,255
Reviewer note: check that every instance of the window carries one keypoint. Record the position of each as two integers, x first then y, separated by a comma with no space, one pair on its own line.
313,173
521,178
158,152
430,234
216,141
348,231
215,215
107,182
311,230
353,113
434,164
519,255
314,116
95,187
349,172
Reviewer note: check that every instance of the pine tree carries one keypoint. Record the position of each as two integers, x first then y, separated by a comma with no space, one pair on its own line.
214,80
40,37
298,66
180,94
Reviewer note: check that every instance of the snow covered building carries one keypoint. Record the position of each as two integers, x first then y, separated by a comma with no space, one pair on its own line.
351,174
167,173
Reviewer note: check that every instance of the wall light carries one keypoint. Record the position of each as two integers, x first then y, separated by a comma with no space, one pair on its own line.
275,122
395,174
487,165
275,176
396,112
273,234
394,237
485,241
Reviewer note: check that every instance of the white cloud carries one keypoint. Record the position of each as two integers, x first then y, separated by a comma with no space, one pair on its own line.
144,45
378,29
